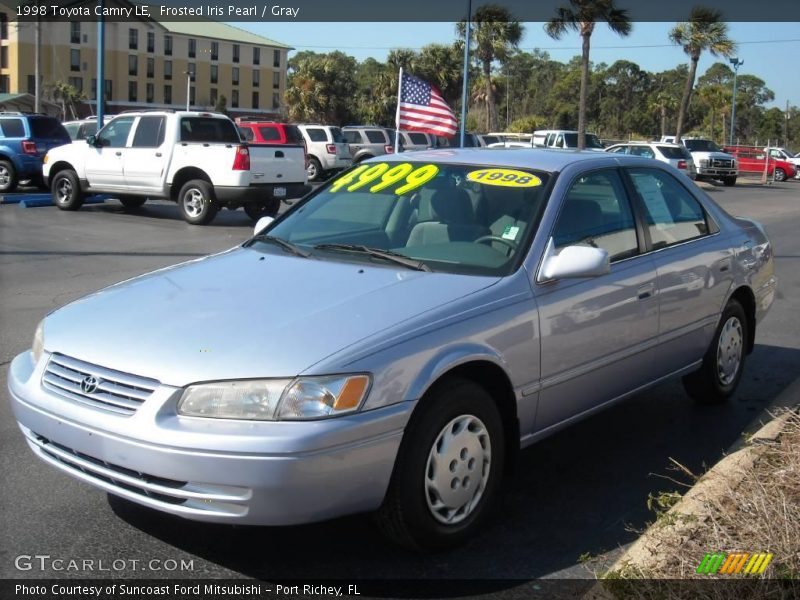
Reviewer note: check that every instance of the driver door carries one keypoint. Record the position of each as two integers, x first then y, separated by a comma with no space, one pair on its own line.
104,164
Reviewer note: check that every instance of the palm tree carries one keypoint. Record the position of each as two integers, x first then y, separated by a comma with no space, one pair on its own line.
703,31
495,34
661,103
581,16
715,98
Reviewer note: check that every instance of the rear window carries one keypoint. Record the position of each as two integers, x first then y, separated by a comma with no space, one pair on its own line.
47,127
671,152
246,133
316,134
293,135
419,139
12,128
336,135
376,137
270,134
490,139
208,129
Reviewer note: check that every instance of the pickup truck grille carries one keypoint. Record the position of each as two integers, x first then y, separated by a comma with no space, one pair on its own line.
96,386
722,163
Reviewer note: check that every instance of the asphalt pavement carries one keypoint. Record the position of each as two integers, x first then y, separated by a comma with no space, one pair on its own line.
580,493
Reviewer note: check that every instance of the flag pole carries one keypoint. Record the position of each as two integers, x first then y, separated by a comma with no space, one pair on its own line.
397,114
465,88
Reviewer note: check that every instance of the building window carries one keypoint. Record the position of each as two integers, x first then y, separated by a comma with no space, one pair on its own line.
168,45
192,69
255,100
168,94
256,56
77,83
133,64
5,84
234,98
213,96
31,84
4,57
151,41
133,39
256,77
276,81
276,100
214,73
74,60
151,68
191,95
109,89
276,59
214,50
75,32
236,53
192,47
132,85
3,26
167,69
151,92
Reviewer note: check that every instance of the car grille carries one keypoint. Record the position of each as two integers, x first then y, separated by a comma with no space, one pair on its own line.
722,163
96,386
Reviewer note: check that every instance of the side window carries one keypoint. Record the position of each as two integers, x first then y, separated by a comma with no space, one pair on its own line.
376,137
619,150
596,212
246,133
149,132
352,137
559,141
642,151
673,214
115,134
270,134
317,134
12,128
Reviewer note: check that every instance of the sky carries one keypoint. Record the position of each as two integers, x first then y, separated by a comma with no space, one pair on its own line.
761,45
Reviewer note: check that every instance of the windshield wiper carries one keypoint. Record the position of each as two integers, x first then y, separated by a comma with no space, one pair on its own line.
394,257
288,246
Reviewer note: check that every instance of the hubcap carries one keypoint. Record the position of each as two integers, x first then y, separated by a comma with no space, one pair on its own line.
193,202
779,175
63,190
5,176
311,170
729,351
458,469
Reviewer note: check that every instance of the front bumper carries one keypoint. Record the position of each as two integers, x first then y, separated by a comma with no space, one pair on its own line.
245,472
716,172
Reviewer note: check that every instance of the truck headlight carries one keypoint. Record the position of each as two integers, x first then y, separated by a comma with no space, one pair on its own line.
703,162
38,342
276,399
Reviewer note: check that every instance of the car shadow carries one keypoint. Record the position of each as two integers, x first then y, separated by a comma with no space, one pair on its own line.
580,492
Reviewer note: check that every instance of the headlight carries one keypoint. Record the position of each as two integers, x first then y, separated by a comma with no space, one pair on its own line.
38,342
276,399
703,162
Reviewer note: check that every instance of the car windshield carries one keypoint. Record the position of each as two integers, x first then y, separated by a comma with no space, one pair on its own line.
592,141
702,146
452,218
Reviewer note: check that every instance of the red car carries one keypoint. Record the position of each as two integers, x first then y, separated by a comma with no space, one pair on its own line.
753,159
271,133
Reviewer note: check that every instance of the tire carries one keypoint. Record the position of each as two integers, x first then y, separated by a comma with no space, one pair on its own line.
413,513
314,170
362,158
714,383
132,202
8,176
197,202
729,181
779,174
256,210
66,190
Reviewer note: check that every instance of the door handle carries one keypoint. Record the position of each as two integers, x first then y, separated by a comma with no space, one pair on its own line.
645,291
278,154
118,153
158,154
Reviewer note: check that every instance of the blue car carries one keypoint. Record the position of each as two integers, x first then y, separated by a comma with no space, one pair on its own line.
24,140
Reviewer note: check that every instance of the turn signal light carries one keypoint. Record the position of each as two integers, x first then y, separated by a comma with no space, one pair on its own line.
241,161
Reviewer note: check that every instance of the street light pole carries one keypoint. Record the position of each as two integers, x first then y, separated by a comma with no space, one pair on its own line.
735,63
188,87
465,88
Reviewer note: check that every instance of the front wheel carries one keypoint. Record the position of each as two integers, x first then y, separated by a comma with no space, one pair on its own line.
448,469
268,208
8,176
66,190
197,202
779,175
723,363
729,181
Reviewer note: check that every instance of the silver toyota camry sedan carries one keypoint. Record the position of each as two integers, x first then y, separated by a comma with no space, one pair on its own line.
388,343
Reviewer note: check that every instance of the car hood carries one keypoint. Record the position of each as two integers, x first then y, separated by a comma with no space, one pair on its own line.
244,314
706,154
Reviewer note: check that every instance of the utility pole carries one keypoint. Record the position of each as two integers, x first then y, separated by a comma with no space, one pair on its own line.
735,63
465,88
37,66
100,90
786,125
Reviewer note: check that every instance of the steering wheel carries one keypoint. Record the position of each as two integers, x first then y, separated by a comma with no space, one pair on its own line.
496,238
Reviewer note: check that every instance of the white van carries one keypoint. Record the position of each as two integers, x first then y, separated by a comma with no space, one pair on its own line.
564,138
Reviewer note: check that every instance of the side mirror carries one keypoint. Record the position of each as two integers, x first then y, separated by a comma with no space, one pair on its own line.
573,262
92,140
262,224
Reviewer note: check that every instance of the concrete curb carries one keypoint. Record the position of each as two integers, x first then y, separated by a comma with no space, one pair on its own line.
38,202
728,472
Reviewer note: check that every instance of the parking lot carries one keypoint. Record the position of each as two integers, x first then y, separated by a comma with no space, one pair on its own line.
582,492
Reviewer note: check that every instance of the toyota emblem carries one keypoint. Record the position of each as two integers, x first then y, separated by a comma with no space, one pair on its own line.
89,384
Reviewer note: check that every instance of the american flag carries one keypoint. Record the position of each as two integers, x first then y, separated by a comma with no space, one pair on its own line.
422,108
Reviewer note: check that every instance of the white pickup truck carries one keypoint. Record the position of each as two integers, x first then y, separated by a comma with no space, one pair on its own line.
196,159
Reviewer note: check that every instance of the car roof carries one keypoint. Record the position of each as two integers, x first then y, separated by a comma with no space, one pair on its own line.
544,159
642,143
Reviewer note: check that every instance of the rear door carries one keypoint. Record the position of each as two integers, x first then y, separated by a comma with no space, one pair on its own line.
144,163
104,163
47,133
342,147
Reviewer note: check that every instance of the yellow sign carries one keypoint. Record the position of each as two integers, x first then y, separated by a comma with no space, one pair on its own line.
504,177
385,175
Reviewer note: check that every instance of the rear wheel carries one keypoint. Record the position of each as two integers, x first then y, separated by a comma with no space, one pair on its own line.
8,176
256,210
132,202
314,169
724,361
197,202
729,181
66,190
779,175
448,469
